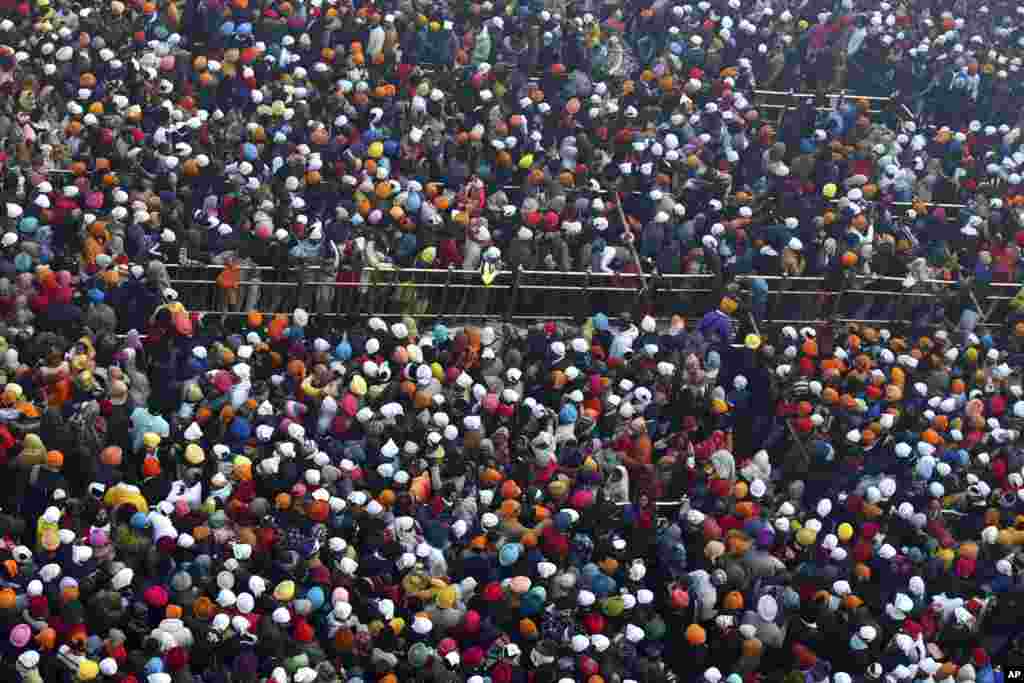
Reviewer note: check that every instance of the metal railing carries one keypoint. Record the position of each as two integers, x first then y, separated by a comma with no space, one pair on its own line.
830,96
763,100
660,504
524,295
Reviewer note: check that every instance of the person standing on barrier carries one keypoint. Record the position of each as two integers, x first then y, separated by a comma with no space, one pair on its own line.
305,260
376,267
256,240
521,253
229,284
330,261
794,264
478,242
273,259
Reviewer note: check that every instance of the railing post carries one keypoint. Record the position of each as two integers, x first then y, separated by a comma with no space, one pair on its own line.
212,295
513,298
344,295
970,284
588,276
651,293
836,311
994,302
444,292
394,296
356,303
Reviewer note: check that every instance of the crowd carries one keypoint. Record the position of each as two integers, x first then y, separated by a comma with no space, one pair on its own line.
292,496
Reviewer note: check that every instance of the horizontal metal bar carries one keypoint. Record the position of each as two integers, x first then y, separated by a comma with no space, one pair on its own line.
803,95
865,292
860,321
541,318
544,287
430,68
910,205
242,283
399,272
313,268
442,285
536,319
793,107
608,290
627,277
659,503
415,316
355,285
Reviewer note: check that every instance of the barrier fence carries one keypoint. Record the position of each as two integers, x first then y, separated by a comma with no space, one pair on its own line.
524,295
781,102
529,294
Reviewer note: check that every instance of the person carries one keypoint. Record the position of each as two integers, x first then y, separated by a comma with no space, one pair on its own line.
282,494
